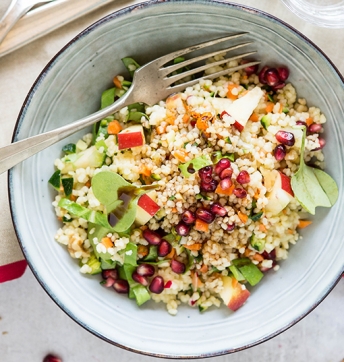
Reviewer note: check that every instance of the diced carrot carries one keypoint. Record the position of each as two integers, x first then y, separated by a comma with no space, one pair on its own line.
303,223
171,254
219,190
106,241
174,209
88,183
144,170
142,250
244,76
269,107
200,225
196,281
256,194
262,228
117,82
114,127
204,268
180,155
161,129
290,231
257,257
194,247
243,217
170,119
230,88
247,252
186,118
59,218
202,124
254,117
309,121
72,197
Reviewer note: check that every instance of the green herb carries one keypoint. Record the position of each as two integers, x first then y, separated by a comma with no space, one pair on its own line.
202,197
313,187
130,254
196,164
119,197
172,198
131,65
69,148
228,140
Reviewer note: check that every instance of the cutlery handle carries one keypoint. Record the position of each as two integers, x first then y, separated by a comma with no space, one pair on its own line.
19,151
16,10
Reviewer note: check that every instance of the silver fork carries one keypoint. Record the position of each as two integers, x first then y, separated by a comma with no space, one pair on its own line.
151,84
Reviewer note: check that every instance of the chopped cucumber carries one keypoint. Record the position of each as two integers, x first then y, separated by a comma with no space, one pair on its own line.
91,157
55,180
94,264
251,273
67,183
257,243
236,273
69,148
265,121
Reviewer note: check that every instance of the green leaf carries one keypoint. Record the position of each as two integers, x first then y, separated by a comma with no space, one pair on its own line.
313,187
194,164
130,254
141,294
131,65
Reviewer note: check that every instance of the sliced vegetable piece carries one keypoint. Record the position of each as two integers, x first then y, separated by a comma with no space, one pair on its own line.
67,183
55,180
131,65
251,273
195,164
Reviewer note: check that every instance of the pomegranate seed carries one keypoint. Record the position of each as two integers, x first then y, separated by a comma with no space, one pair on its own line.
205,215
51,358
151,236
315,128
280,152
301,123
110,273
272,77
261,75
269,256
121,286
286,138
108,282
239,193
157,285
209,186
177,266
283,73
322,143
278,86
251,69
226,183
224,114
164,248
221,165
207,170
218,209
227,172
182,229
146,270
243,177
230,227
168,284
139,278
188,217
193,123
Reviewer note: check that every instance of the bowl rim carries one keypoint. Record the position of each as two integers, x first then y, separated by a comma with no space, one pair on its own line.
109,17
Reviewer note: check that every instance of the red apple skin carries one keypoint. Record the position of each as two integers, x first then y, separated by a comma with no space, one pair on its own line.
285,184
129,140
238,126
239,296
149,205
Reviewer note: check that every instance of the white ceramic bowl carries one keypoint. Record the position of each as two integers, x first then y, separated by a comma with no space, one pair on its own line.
69,88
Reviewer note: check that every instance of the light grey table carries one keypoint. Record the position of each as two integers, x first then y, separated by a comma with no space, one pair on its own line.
31,325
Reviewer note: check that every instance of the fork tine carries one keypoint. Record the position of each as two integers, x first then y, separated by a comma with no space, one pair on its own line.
182,75
181,87
166,58
167,70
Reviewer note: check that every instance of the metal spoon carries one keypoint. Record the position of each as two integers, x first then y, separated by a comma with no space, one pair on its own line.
16,10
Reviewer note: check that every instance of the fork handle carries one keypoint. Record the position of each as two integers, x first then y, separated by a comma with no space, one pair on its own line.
19,151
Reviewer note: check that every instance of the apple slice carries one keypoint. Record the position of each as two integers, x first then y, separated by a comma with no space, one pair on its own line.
233,294
146,208
281,192
242,108
133,136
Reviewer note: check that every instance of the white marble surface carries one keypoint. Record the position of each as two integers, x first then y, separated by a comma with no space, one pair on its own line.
31,325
